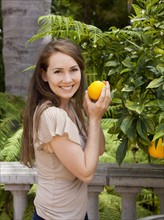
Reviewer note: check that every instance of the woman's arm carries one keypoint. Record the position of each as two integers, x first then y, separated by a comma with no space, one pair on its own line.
81,163
102,142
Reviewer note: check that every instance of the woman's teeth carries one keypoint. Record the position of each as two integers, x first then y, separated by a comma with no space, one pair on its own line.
66,87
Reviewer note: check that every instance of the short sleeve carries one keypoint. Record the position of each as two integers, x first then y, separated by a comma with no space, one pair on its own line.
55,121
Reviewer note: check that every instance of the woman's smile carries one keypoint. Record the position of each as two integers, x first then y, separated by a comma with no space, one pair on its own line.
66,88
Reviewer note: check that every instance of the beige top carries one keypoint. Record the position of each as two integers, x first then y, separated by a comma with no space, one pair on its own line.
60,195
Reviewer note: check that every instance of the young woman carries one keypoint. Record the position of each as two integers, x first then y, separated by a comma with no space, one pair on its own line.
62,132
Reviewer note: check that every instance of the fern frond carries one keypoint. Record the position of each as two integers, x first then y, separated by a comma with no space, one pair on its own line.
65,27
29,68
6,204
11,151
11,109
6,125
109,206
11,105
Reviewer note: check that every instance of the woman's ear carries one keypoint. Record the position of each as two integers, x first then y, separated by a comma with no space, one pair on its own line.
44,76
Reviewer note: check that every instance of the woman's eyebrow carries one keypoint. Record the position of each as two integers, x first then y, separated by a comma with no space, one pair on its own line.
74,66
60,68
57,68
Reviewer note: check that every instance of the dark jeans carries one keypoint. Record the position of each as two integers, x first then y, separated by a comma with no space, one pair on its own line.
37,217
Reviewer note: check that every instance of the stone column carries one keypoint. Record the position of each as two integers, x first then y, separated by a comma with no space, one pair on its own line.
19,192
160,192
93,201
128,195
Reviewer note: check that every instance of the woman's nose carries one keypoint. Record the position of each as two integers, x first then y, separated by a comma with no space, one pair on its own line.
67,77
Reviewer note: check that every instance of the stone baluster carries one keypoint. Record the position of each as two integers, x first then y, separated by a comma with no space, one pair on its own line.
160,192
19,192
128,195
93,201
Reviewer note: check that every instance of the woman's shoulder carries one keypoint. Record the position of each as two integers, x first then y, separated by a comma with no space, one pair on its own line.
55,121
48,109
52,112
47,114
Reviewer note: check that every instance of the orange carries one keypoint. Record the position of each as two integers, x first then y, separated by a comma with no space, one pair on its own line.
94,89
158,150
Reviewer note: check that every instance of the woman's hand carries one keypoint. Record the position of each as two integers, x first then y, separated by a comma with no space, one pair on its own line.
98,108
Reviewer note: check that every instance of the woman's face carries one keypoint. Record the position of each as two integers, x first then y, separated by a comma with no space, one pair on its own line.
63,75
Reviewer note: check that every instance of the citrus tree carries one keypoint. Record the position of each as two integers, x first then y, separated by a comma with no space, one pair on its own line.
131,59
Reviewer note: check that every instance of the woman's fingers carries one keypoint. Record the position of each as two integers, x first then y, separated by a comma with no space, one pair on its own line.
85,102
105,97
108,95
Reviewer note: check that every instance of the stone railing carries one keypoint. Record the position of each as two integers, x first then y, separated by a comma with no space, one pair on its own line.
128,180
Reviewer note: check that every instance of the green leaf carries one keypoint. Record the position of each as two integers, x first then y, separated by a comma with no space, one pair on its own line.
149,123
125,70
112,71
128,88
159,128
128,63
142,131
114,130
138,82
112,63
116,101
133,106
126,124
158,103
161,117
160,68
143,143
121,151
132,131
158,135
156,82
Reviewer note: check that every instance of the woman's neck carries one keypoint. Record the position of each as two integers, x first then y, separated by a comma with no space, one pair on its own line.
65,105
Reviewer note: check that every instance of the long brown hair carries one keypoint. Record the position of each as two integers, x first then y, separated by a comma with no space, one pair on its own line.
40,92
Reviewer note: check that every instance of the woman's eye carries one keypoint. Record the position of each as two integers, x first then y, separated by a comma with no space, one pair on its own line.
74,70
57,71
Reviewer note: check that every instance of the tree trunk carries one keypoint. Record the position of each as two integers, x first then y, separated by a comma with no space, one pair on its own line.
19,24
